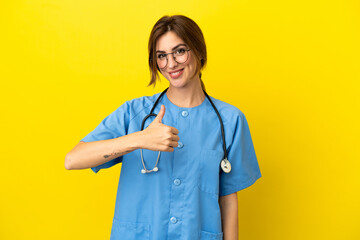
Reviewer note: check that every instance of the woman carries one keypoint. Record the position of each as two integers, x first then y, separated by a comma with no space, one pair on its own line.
174,181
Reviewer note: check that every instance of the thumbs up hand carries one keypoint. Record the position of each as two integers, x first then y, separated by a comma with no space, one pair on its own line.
160,115
158,136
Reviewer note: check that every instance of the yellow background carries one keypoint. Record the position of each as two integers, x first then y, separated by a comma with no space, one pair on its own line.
291,66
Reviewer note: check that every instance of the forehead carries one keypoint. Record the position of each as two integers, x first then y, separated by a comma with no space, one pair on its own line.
167,41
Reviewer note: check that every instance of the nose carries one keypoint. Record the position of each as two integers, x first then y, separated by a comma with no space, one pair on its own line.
171,61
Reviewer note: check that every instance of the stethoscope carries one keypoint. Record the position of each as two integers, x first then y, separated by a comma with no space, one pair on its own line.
225,164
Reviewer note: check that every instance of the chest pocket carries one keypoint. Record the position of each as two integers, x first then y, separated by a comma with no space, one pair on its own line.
210,171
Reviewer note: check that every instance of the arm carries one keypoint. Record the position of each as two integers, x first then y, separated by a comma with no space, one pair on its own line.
92,154
156,137
229,216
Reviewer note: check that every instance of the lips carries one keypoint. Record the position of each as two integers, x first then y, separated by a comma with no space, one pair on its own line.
176,74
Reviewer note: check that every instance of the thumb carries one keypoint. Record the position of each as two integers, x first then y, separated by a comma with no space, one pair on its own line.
161,114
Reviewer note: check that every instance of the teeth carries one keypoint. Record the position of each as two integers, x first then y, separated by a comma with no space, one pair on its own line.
175,73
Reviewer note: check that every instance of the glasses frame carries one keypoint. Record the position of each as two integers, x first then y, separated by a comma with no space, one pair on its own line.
167,60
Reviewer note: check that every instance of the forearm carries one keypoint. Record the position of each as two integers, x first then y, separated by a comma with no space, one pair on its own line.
229,216
92,154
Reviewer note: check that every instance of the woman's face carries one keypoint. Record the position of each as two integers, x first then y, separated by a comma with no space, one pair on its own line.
178,74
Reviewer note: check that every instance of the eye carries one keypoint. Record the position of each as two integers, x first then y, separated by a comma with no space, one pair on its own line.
180,51
161,56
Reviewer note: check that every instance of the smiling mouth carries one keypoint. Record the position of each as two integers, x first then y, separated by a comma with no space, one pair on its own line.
176,74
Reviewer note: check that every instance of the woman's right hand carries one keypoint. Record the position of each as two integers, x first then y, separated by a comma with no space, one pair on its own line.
158,136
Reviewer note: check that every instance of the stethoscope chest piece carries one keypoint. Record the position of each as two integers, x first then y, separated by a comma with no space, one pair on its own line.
225,165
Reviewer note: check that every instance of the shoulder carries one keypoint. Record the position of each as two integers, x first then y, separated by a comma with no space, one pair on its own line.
227,111
135,106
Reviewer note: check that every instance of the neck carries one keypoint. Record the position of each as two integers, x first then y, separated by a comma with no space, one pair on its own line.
187,96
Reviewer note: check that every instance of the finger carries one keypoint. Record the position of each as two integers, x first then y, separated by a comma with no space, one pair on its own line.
169,149
174,144
161,114
175,138
174,130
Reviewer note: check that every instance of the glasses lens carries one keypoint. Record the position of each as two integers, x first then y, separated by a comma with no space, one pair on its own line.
181,55
161,60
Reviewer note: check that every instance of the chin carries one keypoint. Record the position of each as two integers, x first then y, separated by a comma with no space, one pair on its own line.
177,84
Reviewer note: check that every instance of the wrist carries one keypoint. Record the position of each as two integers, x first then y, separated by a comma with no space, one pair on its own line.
137,139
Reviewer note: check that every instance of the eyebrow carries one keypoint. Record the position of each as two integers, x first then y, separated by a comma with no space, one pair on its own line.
181,44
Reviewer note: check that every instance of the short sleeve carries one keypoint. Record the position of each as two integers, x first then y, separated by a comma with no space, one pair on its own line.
241,154
113,126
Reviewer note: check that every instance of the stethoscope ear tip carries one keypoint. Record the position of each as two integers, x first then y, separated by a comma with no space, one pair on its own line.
155,169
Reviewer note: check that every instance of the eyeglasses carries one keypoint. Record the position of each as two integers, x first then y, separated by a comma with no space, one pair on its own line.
180,55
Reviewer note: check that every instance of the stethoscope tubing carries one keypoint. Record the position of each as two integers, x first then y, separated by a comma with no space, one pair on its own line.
154,115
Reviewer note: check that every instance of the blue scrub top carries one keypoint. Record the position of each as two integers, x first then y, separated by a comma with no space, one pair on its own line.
181,200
